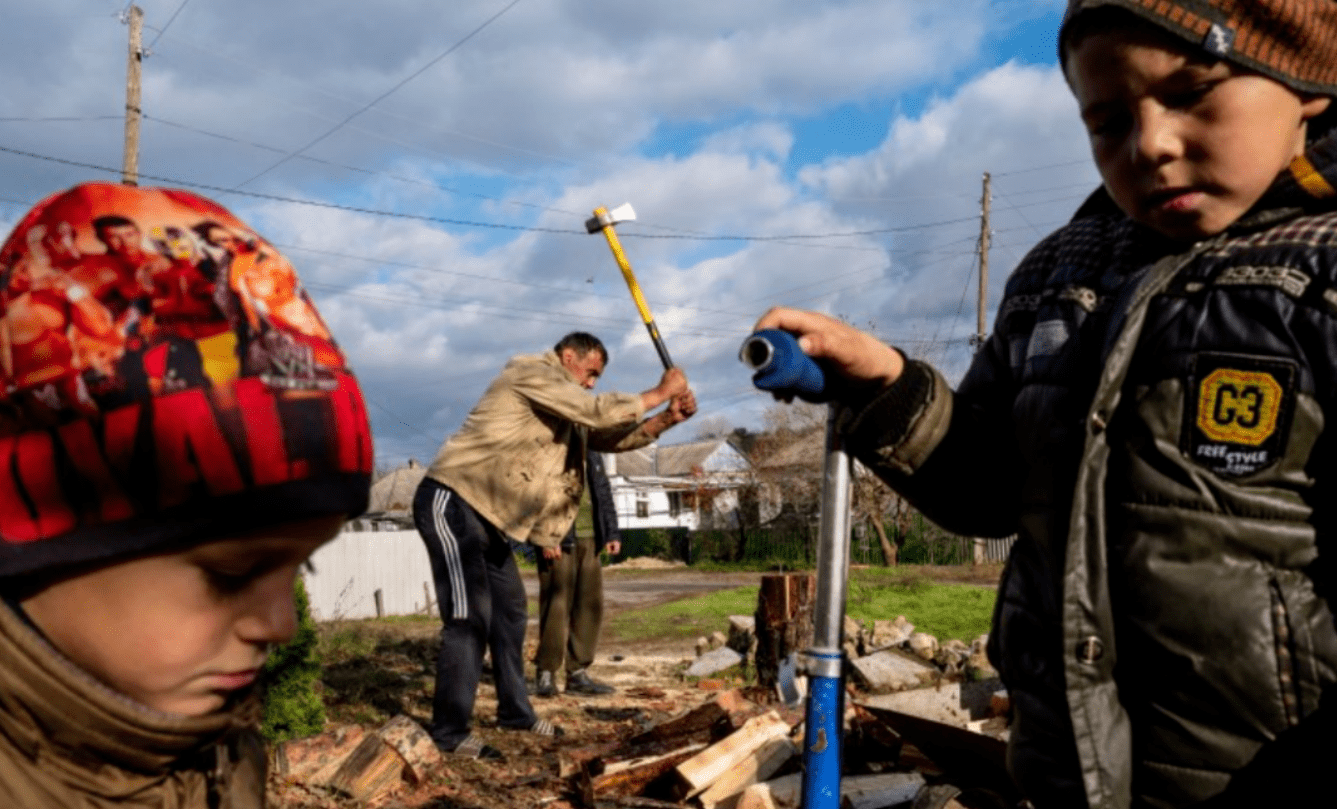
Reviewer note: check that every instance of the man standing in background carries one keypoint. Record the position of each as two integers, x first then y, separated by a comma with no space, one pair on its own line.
571,593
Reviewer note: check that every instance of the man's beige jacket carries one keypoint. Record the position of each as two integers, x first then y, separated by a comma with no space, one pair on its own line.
519,458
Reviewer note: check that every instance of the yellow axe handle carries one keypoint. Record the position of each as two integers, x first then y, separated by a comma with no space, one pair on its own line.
635,288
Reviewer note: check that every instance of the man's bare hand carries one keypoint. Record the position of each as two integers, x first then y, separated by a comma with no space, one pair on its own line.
553,554
613,548
682,407
671,384
856,355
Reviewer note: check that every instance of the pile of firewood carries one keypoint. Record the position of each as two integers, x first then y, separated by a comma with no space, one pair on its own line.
735,753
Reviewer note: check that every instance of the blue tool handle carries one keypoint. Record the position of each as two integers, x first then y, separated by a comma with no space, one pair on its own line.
781,366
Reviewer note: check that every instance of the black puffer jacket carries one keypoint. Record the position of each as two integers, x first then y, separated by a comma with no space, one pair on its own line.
1150,418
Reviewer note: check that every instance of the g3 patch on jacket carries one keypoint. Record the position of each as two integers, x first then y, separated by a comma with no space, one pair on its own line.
1238,412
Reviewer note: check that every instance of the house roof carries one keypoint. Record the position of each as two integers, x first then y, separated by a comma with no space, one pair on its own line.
680,460
394,491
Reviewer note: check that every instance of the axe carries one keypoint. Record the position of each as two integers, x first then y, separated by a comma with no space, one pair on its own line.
604,220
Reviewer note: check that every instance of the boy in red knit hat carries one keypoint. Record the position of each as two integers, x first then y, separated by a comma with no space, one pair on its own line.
1150,418
170,454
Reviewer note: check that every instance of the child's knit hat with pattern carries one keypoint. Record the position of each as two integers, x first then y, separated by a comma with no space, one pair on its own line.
164,380
1292,41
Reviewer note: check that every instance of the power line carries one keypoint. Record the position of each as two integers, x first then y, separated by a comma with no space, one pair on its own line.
167,25
438,130
76,118
493,225
387,93
1041,168
532,315
309,158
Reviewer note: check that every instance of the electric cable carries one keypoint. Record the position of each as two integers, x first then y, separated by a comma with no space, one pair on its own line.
387,93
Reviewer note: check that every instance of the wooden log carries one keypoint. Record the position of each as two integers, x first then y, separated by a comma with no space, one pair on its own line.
697,773
877,791
759,766
414,746
314,760
632,776
783,621
399,750
569,762
856,792
372,768
708,722
780,793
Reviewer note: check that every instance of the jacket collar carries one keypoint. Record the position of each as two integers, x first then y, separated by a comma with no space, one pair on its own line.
83,734
555,361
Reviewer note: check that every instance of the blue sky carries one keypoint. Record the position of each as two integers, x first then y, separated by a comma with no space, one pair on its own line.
822,155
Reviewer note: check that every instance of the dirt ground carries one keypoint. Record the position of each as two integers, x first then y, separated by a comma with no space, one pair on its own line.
396,677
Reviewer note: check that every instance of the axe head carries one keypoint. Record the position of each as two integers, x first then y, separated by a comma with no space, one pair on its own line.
789,685
622,213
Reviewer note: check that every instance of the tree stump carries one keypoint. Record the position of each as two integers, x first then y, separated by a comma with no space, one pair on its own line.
784,621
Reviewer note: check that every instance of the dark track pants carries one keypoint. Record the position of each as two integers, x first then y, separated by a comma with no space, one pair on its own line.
571,605
483,605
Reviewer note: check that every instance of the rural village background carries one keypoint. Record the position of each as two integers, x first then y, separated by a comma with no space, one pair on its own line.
428,169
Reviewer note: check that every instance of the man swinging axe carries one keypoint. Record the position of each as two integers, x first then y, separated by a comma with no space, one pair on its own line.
515,470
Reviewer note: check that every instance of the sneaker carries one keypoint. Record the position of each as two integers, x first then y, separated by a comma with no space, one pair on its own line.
578,682
542,727
473,747
545,685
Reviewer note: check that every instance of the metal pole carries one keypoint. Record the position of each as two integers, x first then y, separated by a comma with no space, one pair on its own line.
984,262
825,660
130,164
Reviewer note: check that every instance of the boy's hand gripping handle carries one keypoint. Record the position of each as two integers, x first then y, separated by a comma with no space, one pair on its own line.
781,366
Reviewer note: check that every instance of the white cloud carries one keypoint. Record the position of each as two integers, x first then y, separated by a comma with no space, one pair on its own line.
552,109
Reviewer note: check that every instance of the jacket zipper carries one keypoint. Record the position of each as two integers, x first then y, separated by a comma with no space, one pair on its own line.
1287,683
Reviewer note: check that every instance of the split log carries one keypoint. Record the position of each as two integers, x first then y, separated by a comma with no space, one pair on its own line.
314,760
783,621
856,792
877,791
697,773
631,777
757,767
780,793
399,750
707,723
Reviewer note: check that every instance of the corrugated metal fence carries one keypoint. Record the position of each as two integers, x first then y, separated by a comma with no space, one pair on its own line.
356,565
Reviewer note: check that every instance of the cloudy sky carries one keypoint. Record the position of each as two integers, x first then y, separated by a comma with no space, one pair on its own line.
428,168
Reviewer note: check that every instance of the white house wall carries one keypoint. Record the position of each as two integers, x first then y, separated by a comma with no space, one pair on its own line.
657,500
350,569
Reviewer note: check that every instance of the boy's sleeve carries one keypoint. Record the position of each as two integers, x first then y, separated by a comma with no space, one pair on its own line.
551,391
937,447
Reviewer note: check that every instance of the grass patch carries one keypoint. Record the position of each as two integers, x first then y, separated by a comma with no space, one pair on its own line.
686,618
960,611
948,611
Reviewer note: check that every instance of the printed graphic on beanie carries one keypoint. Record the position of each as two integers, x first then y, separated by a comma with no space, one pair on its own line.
156,352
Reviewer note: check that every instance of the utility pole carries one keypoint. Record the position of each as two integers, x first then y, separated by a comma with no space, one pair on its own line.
980,334
130,165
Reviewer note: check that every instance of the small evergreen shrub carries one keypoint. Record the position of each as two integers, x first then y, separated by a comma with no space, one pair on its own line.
292,703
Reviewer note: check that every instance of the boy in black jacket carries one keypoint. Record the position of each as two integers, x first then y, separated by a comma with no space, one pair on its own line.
1149,416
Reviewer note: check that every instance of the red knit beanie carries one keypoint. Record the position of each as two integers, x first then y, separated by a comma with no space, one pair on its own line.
166,380
1292,41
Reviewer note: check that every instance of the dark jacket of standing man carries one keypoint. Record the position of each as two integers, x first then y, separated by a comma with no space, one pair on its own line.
515,470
